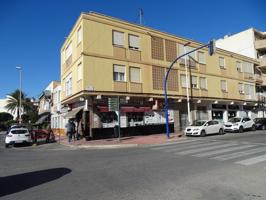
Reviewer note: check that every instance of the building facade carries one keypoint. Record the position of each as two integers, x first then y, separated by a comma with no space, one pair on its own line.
105,58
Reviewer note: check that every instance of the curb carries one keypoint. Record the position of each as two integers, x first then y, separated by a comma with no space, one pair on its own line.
107,146
119,146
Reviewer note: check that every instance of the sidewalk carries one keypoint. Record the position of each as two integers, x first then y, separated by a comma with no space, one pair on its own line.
125,142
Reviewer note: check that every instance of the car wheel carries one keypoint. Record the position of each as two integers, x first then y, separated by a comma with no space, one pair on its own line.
221,132
253,128
263,127
7,145
241,129
203,133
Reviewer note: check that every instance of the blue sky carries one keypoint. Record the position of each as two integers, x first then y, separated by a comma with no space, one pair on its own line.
32,31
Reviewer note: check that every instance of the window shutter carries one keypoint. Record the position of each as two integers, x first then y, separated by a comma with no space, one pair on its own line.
134,74
134,41
119,68
118,38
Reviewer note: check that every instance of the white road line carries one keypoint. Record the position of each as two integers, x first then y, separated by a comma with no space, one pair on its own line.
211,153
239,154
174,143
191,146
205,149
252,161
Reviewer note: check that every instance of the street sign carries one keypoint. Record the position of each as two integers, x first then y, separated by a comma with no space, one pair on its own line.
113,104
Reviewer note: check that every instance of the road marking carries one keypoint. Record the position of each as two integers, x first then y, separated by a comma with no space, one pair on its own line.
223,151
174,143
239,154
252,161
205,149
192,146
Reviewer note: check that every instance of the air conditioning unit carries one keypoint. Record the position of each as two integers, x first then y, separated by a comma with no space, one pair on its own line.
241,92
194,86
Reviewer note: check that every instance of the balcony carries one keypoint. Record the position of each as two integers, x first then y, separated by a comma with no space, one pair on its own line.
260,44
258,78
248,76
263,62
136,87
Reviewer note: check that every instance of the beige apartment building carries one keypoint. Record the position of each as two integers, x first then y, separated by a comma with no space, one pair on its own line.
104,58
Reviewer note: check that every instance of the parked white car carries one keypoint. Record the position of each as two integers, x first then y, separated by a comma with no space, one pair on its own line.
17,135
204,127
239,124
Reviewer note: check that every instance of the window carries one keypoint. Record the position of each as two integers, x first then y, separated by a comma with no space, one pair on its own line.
223,86
221,63
119,73
135,74
133,42
249,91
118,38
180,49
79,71
183,81
68,85
157,48
79,35
193,55
203,84
201,57
238,66
241,88
248,67
68,51
194,82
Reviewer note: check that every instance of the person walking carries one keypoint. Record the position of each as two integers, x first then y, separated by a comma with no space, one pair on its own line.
70,129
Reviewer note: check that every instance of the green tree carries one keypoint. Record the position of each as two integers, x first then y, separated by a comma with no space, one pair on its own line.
13,102
4,116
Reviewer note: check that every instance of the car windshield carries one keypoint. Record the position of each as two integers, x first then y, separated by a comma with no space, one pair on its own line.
258,120
19,131
234,120
198,123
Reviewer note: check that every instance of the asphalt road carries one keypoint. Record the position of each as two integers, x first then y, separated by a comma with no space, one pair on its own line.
228,167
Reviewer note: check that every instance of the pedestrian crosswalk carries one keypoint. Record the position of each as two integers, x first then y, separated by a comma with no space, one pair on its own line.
239,153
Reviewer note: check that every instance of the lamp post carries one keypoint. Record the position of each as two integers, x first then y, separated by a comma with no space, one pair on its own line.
212,49
20,88
187,83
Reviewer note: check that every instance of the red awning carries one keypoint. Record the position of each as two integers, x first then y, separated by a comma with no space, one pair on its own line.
135,109
103,108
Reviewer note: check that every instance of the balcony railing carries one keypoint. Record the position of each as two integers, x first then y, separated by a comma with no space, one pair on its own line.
260,44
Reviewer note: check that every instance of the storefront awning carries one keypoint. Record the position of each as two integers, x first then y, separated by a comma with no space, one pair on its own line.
126,109
42,119
73,112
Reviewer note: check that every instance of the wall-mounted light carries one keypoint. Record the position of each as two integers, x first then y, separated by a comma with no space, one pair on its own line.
232,103
245,103
99,96
127,98
179,100
216,102
199,101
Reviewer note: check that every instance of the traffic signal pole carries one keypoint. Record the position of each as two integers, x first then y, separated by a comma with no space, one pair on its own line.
212,49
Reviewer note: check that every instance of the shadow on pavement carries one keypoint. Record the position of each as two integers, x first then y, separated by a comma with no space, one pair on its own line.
20,182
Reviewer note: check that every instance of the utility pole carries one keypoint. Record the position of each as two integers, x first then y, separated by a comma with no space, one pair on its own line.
187,82
141,16
20,88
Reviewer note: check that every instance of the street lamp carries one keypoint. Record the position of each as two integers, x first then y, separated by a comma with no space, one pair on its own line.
187,86
20,85
212,49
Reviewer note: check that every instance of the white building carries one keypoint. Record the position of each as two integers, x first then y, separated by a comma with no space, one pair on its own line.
251,43
3,103
57,112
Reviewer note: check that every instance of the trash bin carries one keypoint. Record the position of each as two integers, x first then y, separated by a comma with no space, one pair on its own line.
116,130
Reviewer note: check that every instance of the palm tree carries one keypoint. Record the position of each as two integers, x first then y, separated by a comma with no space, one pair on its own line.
13,100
